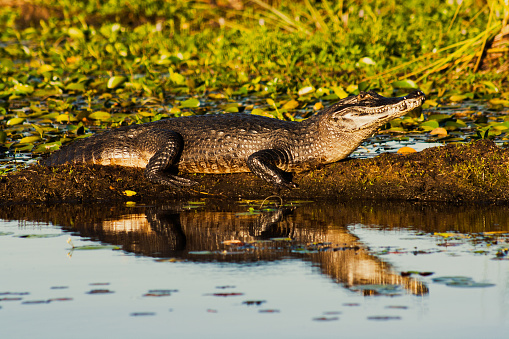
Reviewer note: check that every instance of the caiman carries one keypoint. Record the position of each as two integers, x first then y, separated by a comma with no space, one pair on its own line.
232,143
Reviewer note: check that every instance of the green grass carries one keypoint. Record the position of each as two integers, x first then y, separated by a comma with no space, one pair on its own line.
307,43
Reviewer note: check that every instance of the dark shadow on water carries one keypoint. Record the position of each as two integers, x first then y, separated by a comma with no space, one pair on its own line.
227,232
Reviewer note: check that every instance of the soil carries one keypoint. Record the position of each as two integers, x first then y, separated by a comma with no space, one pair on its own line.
463,173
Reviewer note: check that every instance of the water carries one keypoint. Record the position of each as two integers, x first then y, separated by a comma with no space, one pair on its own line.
210,269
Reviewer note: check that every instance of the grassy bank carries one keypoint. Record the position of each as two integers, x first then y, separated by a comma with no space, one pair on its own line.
475,172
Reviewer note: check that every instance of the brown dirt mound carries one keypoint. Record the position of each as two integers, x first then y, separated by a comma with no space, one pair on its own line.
455,173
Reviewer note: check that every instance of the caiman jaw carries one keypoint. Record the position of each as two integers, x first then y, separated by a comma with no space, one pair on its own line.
370,110
396,105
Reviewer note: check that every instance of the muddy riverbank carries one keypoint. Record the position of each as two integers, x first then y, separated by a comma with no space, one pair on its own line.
471,172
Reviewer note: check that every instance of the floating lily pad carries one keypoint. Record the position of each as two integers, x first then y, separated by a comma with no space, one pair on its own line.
60,299
231,294
397,307
468,284
15,121
253,302
35,302
460,281
100,291
116,81
159,293
14,293
190,103
201,252
326,318
96,247
384,317
142,314
306,90
39,236
380,289
30,139
100,115
11,299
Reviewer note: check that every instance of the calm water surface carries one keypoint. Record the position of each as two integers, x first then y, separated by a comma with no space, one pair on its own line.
231,270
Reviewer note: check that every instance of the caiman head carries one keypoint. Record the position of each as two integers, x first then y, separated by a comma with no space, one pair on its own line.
370,110
344,125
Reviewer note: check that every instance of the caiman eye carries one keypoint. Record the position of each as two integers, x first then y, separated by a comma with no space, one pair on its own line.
362,95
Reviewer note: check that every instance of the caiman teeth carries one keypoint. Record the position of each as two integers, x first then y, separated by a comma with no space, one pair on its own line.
403,107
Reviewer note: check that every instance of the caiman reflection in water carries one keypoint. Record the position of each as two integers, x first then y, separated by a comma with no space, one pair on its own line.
307,232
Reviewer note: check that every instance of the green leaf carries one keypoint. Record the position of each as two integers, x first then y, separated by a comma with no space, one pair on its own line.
76,87
75,33
46,68
129,193
26,148
340,92
363,86
65,118
22,89
429,125
39,130
190,103
30,139
99,115
459,97
15,121
115,81
483,133
231,109
258,111
3,137
47,92
292,104
497,101
439,117
177,78
331,97
306,90
490,86
48,147
367,61
404,84
352,89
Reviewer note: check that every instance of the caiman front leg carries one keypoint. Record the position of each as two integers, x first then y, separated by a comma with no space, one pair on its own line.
265,164
166,146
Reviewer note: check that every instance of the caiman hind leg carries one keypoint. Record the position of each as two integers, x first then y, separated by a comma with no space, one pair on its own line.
166,147
265,164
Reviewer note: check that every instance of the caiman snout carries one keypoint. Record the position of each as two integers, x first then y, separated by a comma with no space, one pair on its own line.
415,94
